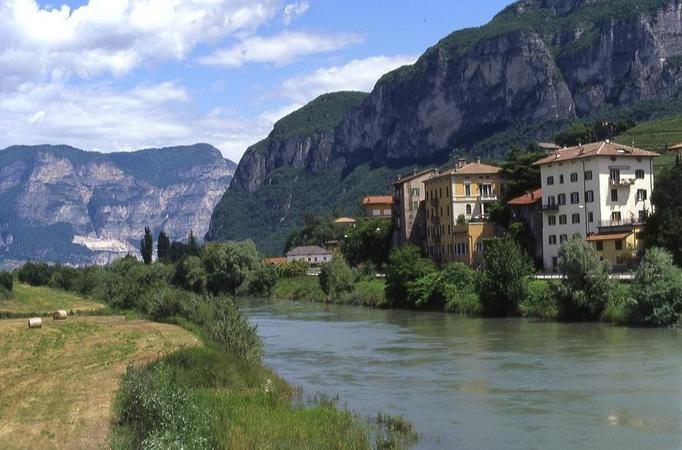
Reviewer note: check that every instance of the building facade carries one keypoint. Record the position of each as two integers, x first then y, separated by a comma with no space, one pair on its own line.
457,210
409,209
599,191
378,206
311,254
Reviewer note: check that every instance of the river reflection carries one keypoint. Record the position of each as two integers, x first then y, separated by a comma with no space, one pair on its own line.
488,384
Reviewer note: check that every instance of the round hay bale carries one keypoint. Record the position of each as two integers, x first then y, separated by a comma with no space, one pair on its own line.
35,322
59,315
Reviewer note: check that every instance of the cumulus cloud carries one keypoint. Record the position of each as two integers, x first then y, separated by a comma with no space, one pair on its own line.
279,49
293,10
357,75
114,36
97,116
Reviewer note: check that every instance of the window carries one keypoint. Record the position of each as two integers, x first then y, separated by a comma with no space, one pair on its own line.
551,200
643,215
552,239
619,245
588,175
467,190
563,238
447,211
589,196
484,208
590,217
574,177
550,181
614,195
614,175
486,190
562,219
440,193
639,174
600,246
479,247
562,199
415,192
561,179
575,218
615,216
468,209
575,198
551,221
641,195
415,205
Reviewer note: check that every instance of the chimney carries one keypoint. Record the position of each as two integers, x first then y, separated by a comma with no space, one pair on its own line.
478,160
461,162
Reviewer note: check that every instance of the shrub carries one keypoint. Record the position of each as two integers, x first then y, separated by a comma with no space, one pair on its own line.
505,281
190,274
540,302
303,288
405,266
292,269
336,277
584,290
619,304
228,265
6,281
259,282
35,274
657,290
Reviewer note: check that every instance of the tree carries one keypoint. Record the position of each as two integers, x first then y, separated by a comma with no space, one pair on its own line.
336,277
585,288
405,265
664,227
190,275
163,247
315,231
147,246
193,247
369,242
505,281
657,290
519,172
228,265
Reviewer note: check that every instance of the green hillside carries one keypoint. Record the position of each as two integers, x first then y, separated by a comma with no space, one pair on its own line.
657,136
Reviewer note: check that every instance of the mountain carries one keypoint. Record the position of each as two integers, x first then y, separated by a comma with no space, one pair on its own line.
58,203
533,69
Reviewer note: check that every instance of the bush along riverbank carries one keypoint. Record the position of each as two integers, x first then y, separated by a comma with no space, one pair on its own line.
505,288
218,395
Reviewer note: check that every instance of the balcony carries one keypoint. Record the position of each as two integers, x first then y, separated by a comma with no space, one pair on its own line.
489,197
621,182
550,208
620,225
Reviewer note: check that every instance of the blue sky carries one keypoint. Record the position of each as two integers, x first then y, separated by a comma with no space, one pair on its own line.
114,75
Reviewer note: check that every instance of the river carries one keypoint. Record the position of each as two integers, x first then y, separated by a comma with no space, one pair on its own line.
484,383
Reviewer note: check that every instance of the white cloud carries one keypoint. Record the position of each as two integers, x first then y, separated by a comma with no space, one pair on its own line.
279,49
114,36
99,117
293,10
357,75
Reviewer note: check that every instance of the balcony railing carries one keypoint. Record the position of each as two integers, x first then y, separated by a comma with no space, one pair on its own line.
621,182
550,208
620,223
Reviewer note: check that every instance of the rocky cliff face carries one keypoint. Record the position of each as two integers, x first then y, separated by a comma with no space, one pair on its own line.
63,204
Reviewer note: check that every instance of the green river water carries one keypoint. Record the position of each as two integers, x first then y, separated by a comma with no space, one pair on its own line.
484,383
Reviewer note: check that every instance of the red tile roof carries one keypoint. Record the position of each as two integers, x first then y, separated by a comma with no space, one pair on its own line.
378,200
605,148
608,236
527,199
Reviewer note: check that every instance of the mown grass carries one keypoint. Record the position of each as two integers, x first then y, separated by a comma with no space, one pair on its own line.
59,382
42,301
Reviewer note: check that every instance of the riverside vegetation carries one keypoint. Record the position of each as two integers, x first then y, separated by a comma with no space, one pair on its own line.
218,394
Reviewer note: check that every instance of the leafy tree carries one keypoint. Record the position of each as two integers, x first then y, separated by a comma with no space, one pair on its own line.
6,281
368,242
147,246
260,281
163,247
519,172
657,290
228,265
190,274
664,227
293,269
336,277
35,274
405,265
178,250
315,231
193,247
584,291
505,281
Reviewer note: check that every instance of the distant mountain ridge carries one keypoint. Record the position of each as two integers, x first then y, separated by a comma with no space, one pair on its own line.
535,67
62,204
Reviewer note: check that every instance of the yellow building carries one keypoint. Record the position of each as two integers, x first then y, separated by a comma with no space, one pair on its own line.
618,247
457,212
378,206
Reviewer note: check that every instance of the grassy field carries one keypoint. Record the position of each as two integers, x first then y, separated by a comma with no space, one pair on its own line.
44,301
656,136
59,382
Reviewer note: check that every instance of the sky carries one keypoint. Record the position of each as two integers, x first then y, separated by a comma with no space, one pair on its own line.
121,75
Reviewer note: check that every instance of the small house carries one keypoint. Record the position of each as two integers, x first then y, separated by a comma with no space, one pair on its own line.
311,254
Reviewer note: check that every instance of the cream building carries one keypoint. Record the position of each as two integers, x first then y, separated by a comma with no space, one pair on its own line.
601,191
409,208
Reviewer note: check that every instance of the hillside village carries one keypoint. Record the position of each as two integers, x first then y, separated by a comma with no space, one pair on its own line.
600,191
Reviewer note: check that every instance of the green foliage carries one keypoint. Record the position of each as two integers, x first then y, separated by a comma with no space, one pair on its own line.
584,290
519,172
405,266
540,302
229,264
190,274
505,280
259,281
657,135
584,133
336,277
369,242
315,231
452,289
147,246
657,290
6,281
163,247
292,269
303,288
619,304
664,227
35,274
366,292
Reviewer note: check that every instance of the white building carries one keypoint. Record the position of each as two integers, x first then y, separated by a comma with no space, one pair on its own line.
601,191
311,254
